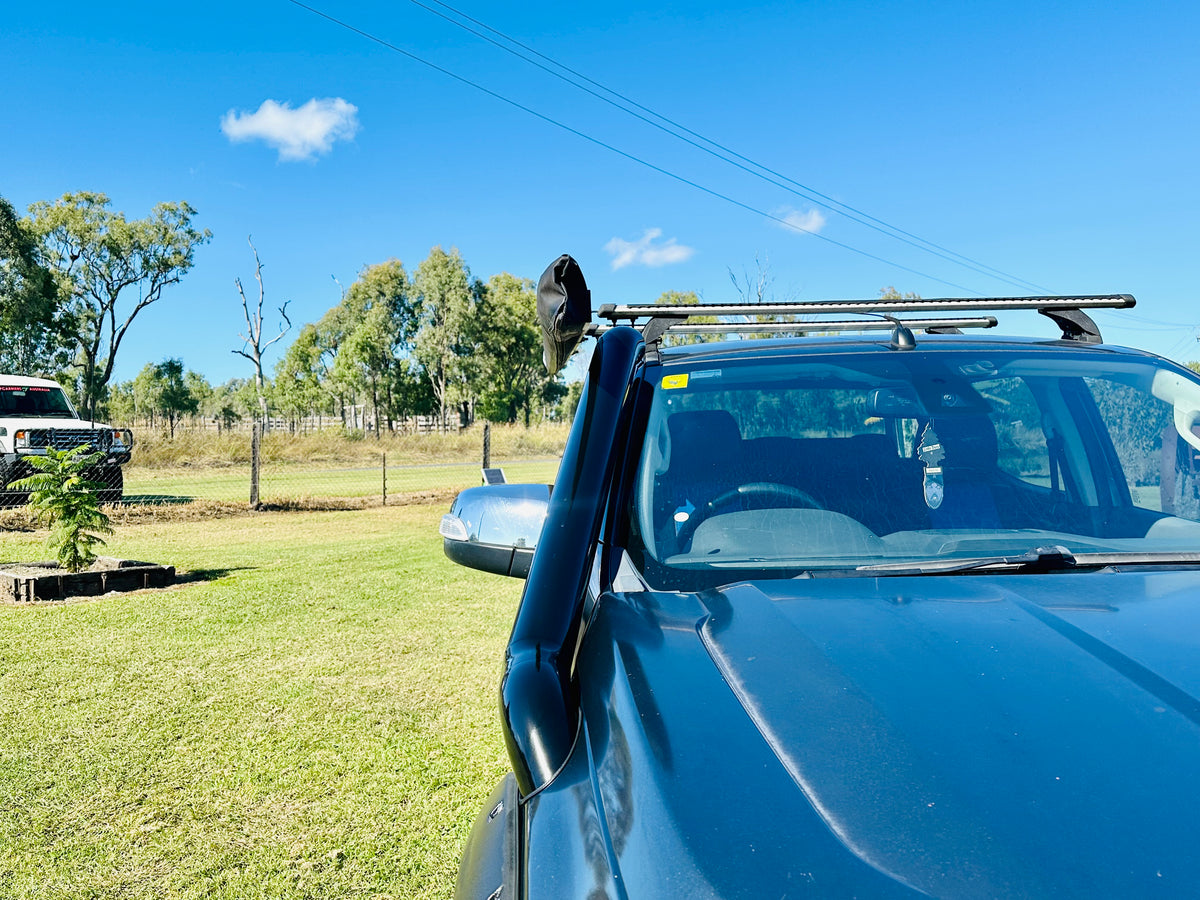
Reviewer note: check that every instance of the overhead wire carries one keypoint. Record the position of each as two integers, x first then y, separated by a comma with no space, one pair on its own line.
613,149
738,160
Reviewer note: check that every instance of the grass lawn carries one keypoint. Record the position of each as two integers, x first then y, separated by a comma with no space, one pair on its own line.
314,715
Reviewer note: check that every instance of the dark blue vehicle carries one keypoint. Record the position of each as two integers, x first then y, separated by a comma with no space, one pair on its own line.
893,614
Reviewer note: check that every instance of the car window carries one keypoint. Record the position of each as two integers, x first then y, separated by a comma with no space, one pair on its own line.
1161,470
791,412
1017,419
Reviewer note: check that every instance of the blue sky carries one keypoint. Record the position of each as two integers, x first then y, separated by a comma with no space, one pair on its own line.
1053,141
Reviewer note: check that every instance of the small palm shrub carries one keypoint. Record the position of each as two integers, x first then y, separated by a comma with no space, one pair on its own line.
62,497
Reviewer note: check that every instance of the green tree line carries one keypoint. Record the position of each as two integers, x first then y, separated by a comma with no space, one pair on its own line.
434,342
437,343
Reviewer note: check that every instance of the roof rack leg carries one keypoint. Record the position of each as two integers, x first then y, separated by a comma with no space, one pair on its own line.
652,334
1076,325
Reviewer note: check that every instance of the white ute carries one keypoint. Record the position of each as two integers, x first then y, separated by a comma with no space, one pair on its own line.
35,413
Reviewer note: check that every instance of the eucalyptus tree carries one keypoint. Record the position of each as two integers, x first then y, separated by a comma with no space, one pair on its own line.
161,389
365,342
377,348
510,376
33,326
111,268
366,359
332,329
447,301
299,375
199,388
236,399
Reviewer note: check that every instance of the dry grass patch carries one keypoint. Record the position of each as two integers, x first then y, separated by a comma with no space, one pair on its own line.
209,449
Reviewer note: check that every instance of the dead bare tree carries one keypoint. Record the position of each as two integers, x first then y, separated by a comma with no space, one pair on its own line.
253,345
757,288
753,290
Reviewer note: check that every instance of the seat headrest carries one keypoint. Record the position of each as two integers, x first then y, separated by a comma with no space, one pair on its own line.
703,435
969,440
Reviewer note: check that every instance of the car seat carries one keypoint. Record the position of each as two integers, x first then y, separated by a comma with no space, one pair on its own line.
970,470
703,458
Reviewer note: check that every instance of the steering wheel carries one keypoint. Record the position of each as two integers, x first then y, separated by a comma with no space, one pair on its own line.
766,494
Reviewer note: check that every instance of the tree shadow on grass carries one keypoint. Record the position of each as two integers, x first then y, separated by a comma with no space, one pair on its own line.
195,576
154,500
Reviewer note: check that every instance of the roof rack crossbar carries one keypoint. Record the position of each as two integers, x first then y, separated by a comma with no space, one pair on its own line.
617,312
929,325
817,327
1065,311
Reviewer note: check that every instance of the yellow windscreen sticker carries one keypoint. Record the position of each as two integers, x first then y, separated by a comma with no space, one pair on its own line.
672,382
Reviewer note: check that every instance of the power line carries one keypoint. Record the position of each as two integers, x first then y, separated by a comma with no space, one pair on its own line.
599,143
746,164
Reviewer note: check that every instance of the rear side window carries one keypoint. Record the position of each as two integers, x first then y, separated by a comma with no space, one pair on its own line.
1015,414
807,412
1161,469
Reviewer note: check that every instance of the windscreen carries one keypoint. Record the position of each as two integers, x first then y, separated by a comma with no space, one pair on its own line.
34,401
785,465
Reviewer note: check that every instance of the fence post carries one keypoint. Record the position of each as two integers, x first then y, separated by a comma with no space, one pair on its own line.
255,440
385,478
487,445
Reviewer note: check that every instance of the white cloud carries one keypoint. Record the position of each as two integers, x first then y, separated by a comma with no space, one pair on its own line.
646,252
809,221
297,134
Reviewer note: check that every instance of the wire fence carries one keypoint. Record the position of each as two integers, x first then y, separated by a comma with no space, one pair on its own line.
282,484
284,470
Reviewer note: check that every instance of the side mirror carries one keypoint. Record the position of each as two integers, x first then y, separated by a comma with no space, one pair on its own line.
496,527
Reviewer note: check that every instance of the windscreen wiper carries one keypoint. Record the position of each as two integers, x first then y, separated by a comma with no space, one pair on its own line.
1039,560
1051,558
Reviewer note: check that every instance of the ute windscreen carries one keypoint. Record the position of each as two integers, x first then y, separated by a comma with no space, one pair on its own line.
33,400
